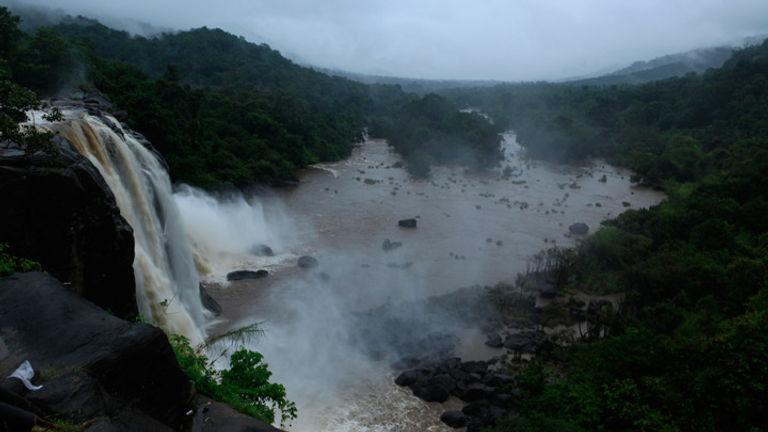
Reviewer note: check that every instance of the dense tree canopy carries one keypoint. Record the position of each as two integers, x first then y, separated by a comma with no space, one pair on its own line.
689,348
225,112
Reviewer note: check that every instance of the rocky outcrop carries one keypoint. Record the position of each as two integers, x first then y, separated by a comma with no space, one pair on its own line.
212,416
208,301
246,274
56,209
90,363
475,382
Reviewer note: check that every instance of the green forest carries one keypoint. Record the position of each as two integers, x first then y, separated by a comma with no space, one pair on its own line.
688,351
227,113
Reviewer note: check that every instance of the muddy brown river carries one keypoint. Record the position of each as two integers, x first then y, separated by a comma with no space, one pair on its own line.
472,229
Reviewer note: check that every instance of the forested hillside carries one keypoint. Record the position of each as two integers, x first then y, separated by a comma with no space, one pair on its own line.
223,112
669,66
688,351
430,131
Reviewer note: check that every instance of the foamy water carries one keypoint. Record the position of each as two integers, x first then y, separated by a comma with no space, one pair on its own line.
166,279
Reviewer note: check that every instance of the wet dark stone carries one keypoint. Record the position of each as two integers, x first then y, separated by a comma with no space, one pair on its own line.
454,419
246,274
579,228
307,261
209,302
494,340
261,250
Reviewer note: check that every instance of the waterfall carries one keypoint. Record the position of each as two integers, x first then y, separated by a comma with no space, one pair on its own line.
167,282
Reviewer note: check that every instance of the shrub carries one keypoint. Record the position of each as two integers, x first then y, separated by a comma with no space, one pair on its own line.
244,386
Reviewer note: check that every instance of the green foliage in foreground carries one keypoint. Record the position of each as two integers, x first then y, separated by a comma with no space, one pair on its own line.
244,386
10,264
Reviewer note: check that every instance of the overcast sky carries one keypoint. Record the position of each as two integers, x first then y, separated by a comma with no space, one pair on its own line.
468,39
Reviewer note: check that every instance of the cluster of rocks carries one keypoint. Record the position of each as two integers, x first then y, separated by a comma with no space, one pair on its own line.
486,391
521,342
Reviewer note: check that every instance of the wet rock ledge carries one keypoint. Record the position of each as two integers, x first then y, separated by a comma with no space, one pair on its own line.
96,370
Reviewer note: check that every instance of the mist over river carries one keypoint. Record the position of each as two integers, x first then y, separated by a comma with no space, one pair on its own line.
473,229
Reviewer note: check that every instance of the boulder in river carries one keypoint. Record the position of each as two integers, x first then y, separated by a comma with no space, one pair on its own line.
411,377
494,340
454,419
579,228
307,262
475,391
261,250
430,391
388,245
407,223
209,302
246,274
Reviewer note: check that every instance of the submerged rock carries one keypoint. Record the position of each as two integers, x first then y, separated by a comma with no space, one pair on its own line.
307,261
246,274
388,245
407,223
261,250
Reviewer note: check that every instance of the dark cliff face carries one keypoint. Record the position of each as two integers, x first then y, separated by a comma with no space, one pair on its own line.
91,364
55,208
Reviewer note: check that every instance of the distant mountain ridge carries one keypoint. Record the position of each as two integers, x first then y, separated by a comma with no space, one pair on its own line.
672,65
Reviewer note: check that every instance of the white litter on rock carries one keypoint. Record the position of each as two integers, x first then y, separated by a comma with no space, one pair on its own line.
25,373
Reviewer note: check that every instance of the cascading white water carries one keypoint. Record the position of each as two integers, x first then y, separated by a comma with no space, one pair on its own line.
166,279
225,229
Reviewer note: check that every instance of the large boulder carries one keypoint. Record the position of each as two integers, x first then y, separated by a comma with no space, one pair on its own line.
431,392
56,209
246,274
261,250
89,362
454,419
579,228
208,301
407,223
212,416
306,261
